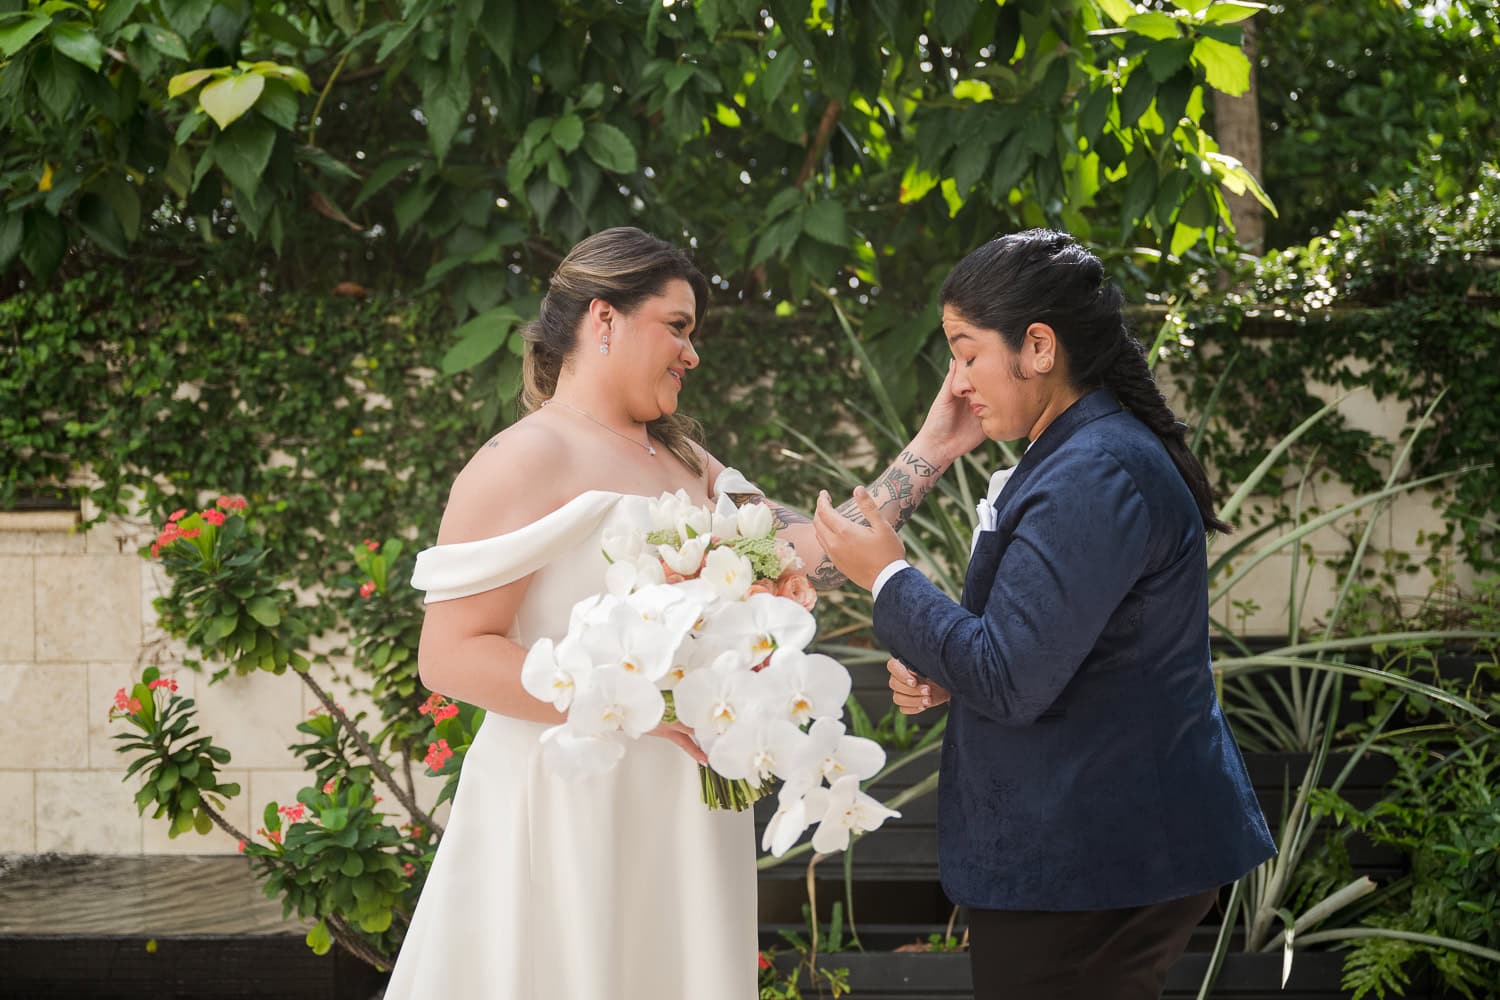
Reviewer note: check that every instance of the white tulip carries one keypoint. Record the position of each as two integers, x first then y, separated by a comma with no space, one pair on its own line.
726,520
849,811
687,559
729,573
808,685
755,520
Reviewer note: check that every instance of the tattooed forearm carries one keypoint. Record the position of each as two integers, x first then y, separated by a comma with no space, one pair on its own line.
903,487
785,517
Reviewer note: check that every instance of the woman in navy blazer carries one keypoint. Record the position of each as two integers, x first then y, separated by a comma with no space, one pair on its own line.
1092,798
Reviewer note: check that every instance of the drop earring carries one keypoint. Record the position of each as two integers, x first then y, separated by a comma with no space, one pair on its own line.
604,343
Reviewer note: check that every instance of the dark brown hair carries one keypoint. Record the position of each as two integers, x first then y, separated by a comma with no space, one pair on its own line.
623,266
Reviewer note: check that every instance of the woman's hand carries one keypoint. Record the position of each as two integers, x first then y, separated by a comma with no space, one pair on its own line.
951,428
911,692
682,736
858,542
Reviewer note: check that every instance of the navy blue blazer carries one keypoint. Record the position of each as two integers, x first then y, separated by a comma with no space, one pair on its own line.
1086,764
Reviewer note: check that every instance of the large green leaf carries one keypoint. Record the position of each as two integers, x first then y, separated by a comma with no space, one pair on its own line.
824,221
98,219
479,338
243,150
228,99
1225,66
12,226
15,35
609,147
79,44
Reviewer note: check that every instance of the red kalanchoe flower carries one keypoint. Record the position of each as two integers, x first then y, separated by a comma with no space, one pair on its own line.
122,700
765,963
367,589
294,813
328,786
134,707
409,868
231,502
163,682
191,533
274,836
372,545
242,847
213,517
177,515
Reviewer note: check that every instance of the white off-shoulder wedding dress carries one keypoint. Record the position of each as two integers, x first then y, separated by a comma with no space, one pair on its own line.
618,887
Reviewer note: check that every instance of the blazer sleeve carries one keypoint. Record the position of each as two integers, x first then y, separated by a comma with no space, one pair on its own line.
1077,548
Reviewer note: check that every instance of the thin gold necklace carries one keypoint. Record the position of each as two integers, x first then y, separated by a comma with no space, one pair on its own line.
649,449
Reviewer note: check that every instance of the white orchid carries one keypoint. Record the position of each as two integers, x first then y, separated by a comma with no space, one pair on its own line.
729,573
713,700
795,812
686,559
618,701
848,811
760,625
807,686
758,747
571,754
726,519
755,520
554,672
834,755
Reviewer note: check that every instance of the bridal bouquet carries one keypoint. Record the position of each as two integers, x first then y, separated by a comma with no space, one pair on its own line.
705,619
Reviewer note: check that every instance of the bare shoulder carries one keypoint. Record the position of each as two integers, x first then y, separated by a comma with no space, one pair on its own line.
514,478
711,466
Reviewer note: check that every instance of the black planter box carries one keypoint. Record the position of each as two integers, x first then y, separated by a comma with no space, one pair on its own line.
945,976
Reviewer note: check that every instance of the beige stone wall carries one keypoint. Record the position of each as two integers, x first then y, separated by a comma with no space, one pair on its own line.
76,624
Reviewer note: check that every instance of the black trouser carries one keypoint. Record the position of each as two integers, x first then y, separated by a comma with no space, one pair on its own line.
1082,955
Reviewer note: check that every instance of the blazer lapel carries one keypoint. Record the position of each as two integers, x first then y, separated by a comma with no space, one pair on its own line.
986,557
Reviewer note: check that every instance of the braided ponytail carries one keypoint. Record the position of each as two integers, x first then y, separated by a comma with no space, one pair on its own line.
1043,276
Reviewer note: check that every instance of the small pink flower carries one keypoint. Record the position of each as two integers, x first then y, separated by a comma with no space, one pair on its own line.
213,517
328,786
163,682
409,868
231,502
177,515
378,800
134,708
762,587
367,589
447,711
764,962
795,585
294,813
438,754
372,545
274,836
122,700
242,847
192,533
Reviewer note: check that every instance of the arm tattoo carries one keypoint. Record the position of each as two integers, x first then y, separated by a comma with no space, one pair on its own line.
785,517
900,490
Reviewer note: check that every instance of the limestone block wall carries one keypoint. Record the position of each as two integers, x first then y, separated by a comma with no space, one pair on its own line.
76,624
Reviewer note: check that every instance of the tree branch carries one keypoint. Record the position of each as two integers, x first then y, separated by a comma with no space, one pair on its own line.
820,141
409,802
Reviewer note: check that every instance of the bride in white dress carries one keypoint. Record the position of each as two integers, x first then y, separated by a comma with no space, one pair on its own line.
623,886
